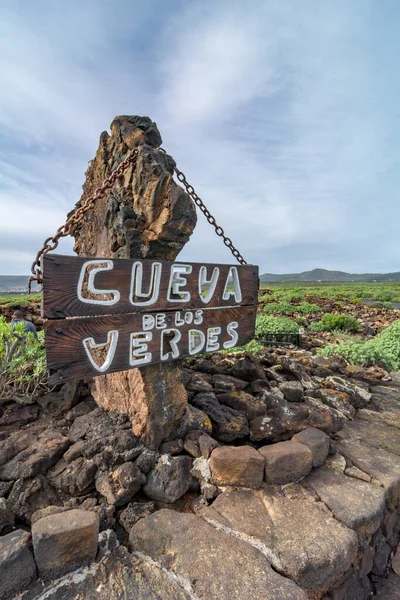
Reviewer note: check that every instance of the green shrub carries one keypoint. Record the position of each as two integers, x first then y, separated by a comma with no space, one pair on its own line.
23,373
253,346
331,322
266,324
284,307
383,350
383,296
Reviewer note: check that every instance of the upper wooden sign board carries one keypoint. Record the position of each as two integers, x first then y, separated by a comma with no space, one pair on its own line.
104,315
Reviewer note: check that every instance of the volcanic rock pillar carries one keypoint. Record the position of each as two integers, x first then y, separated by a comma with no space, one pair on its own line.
145,215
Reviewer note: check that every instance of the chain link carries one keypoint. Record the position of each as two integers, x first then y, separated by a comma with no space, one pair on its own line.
198,201
51,242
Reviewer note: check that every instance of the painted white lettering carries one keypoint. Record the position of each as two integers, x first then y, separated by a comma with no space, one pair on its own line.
212,339
196,341
198,317
160,321
237,292
207,286
89,344
177,281
172,341
234,335
136,290
139,355
109,265
188,318
148,322
178,319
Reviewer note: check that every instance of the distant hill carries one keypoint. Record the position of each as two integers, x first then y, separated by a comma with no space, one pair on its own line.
324,275
15,283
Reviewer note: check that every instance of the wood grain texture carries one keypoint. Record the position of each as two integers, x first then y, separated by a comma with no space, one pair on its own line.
67,358
61,277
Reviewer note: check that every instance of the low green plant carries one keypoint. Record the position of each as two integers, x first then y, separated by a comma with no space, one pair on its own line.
266,324
253,346
23,374
305,308
382,350
333,322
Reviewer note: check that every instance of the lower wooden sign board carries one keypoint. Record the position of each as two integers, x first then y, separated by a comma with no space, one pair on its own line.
90,346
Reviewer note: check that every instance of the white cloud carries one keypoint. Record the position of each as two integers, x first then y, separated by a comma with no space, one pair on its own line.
272,109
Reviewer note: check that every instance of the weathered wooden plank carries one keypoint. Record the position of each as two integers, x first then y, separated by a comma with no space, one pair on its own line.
195,285
73,346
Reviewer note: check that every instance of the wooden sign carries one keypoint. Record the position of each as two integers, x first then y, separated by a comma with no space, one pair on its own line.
105,315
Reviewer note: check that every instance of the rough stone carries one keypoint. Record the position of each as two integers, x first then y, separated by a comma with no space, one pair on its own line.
145,215
357,504
64,541
282,420
389,589
317,441
19,414
357,474
359,397
228,424
300,540
374,434
119,486
251,406
226,383
173,447
17,567
192,419
77,478
200,382
211,578
118,574
396,561
380,464
47,511
29,453
146,460
292,391
286,462
248,368
29,495
7,518
338,400
192,445
381,560
207,444
170,479
134,512
242,466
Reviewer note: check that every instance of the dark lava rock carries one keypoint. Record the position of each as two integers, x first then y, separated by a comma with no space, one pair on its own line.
146,460
170,479
227,383
26,454
29,495
134,512
119,486
17,567
248,368
77,478
251,406
228,424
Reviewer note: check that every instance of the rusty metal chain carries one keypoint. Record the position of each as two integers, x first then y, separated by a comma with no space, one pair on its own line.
51,242
198,201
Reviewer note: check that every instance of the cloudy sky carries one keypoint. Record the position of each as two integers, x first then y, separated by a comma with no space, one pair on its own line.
285,116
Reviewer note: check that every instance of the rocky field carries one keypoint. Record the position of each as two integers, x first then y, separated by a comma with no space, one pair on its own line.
280,481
